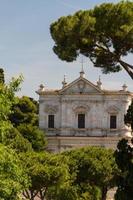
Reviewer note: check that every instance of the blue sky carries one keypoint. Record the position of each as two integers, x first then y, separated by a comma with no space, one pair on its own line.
26,45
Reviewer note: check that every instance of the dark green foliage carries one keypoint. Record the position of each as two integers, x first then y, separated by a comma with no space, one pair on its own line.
128,118
25,112
34,135
24,117
73,192
103,34
124,160
80,174
66,192
92,168
2,78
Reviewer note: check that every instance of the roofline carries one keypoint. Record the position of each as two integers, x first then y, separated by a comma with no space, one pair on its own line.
76,80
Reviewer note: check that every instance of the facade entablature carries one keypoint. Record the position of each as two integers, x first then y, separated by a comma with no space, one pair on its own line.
107,96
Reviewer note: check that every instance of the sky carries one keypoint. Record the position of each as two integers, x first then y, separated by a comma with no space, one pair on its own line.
26,46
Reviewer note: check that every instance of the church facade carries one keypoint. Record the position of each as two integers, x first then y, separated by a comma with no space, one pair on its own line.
82,113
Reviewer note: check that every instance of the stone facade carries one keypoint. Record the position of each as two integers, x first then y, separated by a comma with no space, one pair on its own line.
82,113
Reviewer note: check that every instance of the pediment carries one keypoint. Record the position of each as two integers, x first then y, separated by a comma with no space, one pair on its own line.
81,108
80,86
113,109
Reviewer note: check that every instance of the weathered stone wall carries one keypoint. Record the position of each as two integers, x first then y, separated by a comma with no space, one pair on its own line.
83,97
97,109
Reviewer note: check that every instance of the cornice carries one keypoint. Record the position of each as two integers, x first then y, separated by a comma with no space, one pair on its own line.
105,93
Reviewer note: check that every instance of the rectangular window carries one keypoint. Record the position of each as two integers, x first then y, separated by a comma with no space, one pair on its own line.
113,122
50,121
81,120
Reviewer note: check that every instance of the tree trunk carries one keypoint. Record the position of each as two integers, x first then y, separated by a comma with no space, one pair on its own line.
30,194
127,67
104,193
42,194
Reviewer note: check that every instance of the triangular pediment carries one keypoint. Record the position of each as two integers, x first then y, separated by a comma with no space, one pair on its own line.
80,86
113,109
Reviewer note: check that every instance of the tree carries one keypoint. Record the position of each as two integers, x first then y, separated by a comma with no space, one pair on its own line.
24,118
7,99
10,136
124,160
93,169
34,135
14,139
2,79
13,180
128,118
103,34
12,177
74,192
68,192
24,112
45,171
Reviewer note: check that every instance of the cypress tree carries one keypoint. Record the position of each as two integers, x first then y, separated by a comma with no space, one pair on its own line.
2,78
128,118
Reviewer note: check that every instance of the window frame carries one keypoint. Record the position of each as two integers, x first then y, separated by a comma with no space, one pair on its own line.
81,121
113,124
51,122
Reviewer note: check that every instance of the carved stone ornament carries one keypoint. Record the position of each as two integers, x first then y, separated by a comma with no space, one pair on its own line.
51,109
81,109
113,109
81,86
